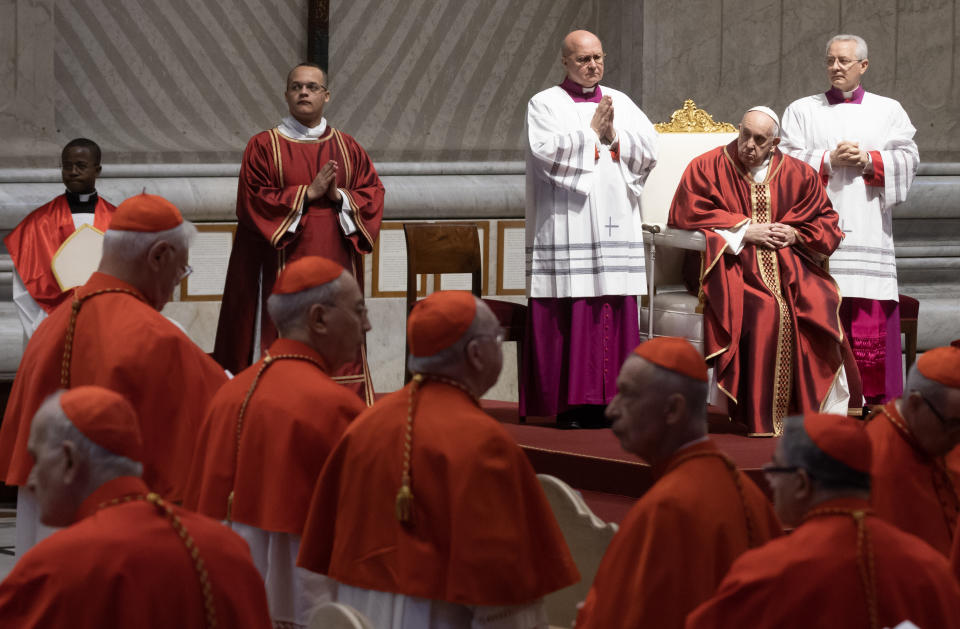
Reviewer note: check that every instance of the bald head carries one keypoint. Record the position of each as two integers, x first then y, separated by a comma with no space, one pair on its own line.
578,39
582,57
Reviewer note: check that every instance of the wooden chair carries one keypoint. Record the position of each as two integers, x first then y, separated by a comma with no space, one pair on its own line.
587,537
449,247
909,314
338,616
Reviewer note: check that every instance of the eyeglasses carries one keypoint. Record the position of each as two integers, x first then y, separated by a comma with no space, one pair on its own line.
360,311
498,337
843,61
187,270
313,88
949,424
583,60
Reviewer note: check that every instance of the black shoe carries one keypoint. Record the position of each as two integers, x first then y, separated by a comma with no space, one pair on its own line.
567,420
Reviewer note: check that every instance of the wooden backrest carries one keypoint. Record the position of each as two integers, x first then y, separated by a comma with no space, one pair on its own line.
437,248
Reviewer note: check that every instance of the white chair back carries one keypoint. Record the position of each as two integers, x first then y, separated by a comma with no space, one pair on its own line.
338,616
587,538
676,152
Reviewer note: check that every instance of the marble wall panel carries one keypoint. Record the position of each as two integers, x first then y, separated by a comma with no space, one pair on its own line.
805,29
877,22
682,55
26,73
445,79
431,80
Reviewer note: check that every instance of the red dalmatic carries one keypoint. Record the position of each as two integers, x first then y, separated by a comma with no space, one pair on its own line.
33,243
274,177
771,324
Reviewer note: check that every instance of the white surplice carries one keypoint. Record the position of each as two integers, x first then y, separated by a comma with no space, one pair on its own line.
864,265
292,592
584,236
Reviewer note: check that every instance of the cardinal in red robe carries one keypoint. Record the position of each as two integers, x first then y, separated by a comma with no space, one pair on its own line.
842,566
112,334
268,431
127,557
914,438
771,325
427,506
680,538
305,189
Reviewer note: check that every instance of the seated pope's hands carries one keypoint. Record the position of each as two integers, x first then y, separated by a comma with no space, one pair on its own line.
787,235
769,235
325,183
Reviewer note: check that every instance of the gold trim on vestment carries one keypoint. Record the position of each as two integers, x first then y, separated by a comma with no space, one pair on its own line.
359,377
277,161
356,216
298,201
768,264
700,295
725,392
347,164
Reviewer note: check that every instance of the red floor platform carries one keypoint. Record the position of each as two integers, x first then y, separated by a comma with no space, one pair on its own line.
592,461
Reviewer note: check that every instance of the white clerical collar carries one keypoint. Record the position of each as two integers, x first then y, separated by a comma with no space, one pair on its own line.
588,90
760,172
83,198
848,95
295,130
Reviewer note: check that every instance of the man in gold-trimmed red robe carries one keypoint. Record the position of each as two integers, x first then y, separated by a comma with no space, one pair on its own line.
305,189
771,328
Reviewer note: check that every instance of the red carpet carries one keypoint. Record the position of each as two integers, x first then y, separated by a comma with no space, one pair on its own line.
592,461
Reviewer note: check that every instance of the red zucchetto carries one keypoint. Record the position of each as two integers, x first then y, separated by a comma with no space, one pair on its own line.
105,418
306,273
146,213
941,364
675,354
842,438
437,322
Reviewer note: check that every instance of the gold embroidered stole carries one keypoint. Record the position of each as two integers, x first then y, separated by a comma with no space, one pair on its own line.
761,211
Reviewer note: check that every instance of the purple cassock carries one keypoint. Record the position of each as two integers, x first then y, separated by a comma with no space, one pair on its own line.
873,328
574,346
573,351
